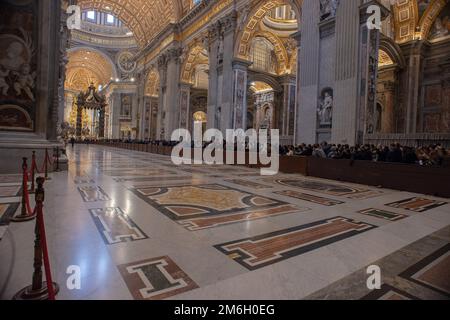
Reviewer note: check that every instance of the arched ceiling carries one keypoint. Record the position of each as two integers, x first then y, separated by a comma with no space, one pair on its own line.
86,66
413,18
145,18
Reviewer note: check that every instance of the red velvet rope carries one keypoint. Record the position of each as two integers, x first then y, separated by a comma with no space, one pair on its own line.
48,157
34,166
48,273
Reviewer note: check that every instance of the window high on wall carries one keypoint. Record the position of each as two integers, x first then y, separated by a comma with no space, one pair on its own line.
101,18
262,55
90,15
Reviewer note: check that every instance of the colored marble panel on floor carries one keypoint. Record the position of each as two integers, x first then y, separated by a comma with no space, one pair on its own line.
432,272
10,191
320,187
7,211
183,202
420,270
383,214
220,220
248,184
93,193
155,279
115,226
366,195
417,204
387,292
260,251
309,197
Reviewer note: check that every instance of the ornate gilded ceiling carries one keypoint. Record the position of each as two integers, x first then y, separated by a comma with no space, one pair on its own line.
145,18
86,66
413,19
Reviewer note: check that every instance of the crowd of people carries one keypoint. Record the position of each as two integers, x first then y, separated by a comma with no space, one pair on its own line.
396,153
432,155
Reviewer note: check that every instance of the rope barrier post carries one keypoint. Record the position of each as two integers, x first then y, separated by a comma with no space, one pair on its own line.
45,164
24,214
33,169
57,159
39,290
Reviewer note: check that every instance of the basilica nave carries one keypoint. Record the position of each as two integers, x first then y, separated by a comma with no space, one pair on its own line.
91,92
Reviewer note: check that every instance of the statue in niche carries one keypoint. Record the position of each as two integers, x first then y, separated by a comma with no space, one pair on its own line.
328,9
220,49
325,111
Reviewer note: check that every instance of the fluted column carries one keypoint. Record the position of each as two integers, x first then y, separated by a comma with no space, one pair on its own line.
213,109
184,107
388,114
308,76
231,72
414,53
288,106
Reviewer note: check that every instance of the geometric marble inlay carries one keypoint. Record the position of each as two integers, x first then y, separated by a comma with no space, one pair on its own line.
263,250
320,187
388,292
309,197
248,184
93,193
220,220
417,204
191,202
432,271
383,214
115,226
155,279
7,211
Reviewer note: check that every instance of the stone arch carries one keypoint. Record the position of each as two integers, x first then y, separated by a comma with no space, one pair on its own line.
406,19
87,65
392,49
145,19
100,52
280,50
260,77
192,59
257,13
429,17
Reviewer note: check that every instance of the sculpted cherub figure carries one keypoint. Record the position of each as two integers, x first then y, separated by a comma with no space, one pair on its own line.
4,87
25,81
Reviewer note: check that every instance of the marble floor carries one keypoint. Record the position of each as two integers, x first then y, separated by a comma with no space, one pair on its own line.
139,227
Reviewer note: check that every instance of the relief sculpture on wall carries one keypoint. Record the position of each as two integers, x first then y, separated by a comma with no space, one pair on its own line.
17,68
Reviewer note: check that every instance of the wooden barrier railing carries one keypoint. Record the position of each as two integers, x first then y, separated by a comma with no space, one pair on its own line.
413,178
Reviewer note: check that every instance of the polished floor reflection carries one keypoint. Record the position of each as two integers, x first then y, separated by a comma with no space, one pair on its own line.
140,227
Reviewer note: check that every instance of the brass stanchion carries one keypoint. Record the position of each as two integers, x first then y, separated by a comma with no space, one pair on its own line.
33,168
57,159
24,216
38,290
45,164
